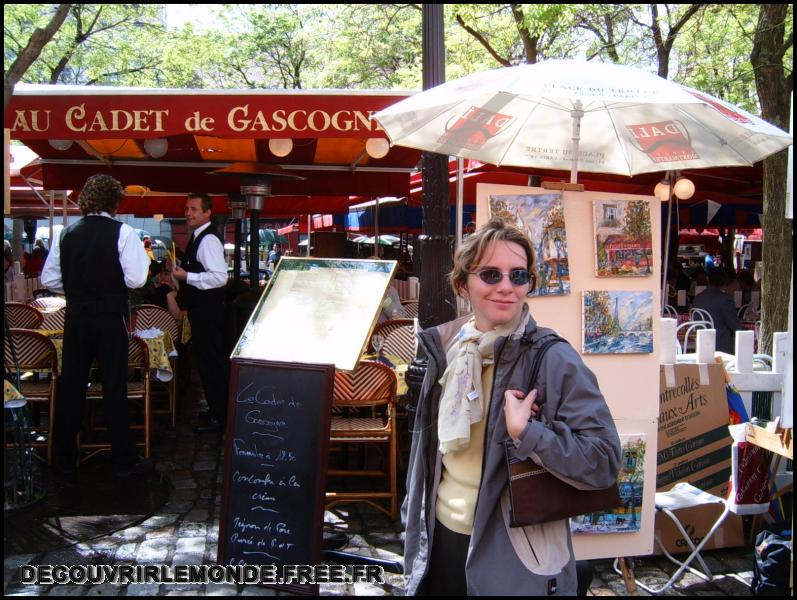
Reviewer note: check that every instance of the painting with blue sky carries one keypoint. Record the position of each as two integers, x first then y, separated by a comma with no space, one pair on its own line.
617,322
542,217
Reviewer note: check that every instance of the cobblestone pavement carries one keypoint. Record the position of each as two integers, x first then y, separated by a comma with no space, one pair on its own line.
184,531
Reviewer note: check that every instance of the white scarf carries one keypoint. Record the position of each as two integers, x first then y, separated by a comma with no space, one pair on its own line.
461,402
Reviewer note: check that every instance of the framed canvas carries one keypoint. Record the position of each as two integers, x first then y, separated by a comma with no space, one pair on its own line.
542,217
617,322
623,240
626,518
317,311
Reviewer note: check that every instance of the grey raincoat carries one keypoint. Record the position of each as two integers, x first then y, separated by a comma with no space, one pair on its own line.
575,438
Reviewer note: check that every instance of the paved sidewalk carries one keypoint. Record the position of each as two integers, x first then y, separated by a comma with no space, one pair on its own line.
180,527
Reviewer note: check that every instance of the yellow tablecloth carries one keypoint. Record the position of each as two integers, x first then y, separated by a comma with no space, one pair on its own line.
10,392
185,328
160,349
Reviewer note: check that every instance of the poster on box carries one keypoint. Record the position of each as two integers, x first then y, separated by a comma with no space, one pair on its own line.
694,445
693,439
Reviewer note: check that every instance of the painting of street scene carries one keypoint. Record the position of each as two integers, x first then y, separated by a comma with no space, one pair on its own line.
626,518
623,242
618,322
542,217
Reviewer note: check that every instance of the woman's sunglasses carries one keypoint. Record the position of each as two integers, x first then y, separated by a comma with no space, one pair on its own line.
494,276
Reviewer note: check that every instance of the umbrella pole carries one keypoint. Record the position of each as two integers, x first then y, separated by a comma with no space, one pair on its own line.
376,227
460,198
666,252
576,114
309,233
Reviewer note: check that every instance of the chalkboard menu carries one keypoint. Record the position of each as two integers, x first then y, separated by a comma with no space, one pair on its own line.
275,467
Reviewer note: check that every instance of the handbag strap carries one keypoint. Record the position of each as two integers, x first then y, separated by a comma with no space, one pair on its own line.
536,364
536,361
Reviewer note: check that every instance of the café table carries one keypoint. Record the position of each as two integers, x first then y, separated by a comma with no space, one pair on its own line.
161,348
159,344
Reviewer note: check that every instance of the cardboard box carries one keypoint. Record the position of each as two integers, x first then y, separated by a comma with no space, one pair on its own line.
694,445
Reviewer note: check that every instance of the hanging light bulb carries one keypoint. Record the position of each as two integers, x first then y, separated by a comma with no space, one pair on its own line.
377,147
61,144
280,146
158,217
662,191
684,188
156,147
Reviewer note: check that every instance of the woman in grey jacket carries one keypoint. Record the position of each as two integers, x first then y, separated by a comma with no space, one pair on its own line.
474,397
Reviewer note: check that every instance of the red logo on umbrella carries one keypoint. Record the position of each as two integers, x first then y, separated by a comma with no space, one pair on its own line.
666,141
731,114
473,129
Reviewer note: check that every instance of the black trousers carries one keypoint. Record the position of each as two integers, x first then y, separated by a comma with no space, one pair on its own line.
88,336
446,574
213,362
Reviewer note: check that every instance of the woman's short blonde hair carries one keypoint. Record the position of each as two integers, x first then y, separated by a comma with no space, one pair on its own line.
472,250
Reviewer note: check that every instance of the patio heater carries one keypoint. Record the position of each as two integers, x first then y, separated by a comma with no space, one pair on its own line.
256,180
237,205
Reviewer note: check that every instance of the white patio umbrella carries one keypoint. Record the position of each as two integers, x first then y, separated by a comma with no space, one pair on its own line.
578,115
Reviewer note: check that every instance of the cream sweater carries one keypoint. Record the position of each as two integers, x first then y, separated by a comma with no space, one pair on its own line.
462,469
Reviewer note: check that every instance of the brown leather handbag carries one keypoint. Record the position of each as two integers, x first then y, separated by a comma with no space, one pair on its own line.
536,496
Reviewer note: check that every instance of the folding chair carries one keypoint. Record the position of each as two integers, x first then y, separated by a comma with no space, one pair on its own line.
684,495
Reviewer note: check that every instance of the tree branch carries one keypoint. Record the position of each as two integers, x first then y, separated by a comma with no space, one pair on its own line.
38,40
480,38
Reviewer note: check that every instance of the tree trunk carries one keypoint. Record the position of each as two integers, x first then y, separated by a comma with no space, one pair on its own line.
774,93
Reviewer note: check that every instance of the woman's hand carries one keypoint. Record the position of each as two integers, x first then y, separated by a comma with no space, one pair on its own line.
518,409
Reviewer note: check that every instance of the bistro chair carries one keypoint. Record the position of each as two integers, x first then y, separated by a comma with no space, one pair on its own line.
384,330
35,353
371,385
53,310
138,391
701,314
401,343
148,316
410,308
23,316
684,331
670,312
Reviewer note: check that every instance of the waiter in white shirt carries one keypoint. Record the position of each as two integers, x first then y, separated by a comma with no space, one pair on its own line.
94,263
203,275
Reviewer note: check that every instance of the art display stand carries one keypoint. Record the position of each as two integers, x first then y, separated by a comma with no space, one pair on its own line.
628,381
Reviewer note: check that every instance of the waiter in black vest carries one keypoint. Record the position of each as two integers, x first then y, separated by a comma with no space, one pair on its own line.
94,263
203,276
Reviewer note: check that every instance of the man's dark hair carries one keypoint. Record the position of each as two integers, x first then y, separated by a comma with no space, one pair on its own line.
716,276
100,193
207,204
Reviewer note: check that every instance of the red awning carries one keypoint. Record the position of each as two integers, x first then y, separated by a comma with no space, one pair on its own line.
119,131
